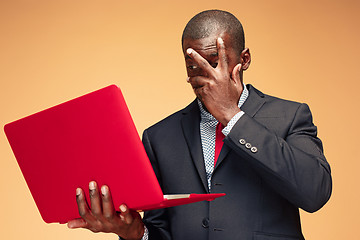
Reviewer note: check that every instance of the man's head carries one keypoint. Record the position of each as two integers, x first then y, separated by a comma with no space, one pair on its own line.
201,34
215,22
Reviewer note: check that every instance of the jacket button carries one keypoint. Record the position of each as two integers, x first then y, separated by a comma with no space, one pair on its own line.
254,149
205,222
248,145
242,141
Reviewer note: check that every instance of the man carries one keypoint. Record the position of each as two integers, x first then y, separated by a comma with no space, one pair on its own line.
270,165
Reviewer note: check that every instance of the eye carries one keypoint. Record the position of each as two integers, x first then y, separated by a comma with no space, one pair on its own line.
192,67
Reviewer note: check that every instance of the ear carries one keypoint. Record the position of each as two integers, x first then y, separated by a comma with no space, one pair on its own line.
236,74
245,59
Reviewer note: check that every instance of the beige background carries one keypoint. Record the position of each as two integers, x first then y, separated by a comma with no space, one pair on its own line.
52,51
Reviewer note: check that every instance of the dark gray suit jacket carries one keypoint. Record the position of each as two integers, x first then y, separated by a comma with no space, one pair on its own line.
264,185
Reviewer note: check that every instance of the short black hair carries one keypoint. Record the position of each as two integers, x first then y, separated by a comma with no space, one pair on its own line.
205,23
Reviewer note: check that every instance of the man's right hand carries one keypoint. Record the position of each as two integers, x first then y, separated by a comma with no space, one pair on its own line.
218,88
102,216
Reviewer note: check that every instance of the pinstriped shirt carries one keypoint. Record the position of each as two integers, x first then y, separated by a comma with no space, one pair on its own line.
207,132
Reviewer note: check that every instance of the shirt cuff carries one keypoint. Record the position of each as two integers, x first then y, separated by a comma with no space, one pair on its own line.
226,130
146,234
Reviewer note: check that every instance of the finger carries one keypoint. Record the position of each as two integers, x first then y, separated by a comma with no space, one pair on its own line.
95,200
125,214
77,223
83,206
107,203
235,75
200,61
198,81
221,53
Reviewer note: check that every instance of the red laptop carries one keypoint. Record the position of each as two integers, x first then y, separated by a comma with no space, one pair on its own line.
88,138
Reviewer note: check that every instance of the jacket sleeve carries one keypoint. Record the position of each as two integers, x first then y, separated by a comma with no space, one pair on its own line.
156,221
294,165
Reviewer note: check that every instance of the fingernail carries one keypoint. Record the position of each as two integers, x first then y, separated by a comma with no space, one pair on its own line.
104,190
78,191
123,208
92,185
220,40
188,79
189,51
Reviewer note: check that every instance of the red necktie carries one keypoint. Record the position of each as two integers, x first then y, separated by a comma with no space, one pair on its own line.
219,137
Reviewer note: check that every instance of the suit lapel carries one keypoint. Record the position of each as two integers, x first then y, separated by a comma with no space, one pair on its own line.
251,106
254,101
191,129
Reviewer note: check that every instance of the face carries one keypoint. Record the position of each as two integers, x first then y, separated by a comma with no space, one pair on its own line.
206,47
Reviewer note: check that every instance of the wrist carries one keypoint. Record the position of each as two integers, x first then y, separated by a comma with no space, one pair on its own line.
228,116
132,234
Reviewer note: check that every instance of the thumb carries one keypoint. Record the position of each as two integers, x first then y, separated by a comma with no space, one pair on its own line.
125,214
